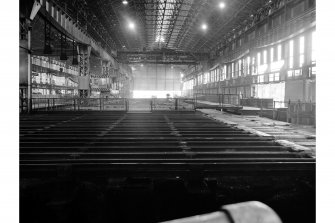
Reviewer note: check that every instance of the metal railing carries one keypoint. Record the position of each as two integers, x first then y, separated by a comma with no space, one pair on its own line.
108,104
301,113
264,103
177,104
217,100
296,112
79,104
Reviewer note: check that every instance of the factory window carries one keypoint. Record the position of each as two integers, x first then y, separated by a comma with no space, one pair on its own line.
291,45
248,65
206,77
297,72
224,72
265,57
215,75
214,78
279,55
301,51
273,77
211,78
261,79
313,48
312,71
232,70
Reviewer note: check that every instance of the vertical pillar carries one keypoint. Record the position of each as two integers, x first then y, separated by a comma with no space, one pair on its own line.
107,71
84,70
29,71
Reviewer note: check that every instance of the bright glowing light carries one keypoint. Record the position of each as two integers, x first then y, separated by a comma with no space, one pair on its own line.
291,54
276,66
125,2
262,68
279,52
141,64
158,94
160,39
221,5
204,26
181,75
313,46
131,25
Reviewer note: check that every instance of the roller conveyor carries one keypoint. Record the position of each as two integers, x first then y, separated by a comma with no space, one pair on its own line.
150,144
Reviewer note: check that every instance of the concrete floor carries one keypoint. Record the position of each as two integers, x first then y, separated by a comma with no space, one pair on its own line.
301,137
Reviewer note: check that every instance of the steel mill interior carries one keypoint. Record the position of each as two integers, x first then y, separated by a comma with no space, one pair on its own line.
167,111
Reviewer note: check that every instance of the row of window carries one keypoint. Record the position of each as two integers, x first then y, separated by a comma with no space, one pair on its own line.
44,78
54,64
273,22
269,60
188,85
43,91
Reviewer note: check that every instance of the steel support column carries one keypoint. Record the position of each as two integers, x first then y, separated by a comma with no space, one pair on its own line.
84,70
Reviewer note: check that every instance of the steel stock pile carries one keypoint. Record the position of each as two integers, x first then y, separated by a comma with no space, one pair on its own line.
100,166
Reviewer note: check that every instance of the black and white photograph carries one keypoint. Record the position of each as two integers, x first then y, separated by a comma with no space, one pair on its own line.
174,111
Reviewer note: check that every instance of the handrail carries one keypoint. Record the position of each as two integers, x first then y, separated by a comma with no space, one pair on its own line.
76,103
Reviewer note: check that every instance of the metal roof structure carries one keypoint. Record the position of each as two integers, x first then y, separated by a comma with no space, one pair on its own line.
171,24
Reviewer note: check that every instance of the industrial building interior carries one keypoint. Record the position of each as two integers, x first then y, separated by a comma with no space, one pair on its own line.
160,110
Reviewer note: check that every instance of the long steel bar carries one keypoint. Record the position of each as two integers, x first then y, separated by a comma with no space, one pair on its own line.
148,144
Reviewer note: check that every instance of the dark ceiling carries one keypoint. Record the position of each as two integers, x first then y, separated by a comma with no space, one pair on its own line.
171,24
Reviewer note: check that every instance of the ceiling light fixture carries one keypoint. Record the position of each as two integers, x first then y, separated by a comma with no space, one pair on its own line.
131,25
125,2
204,26
221,5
